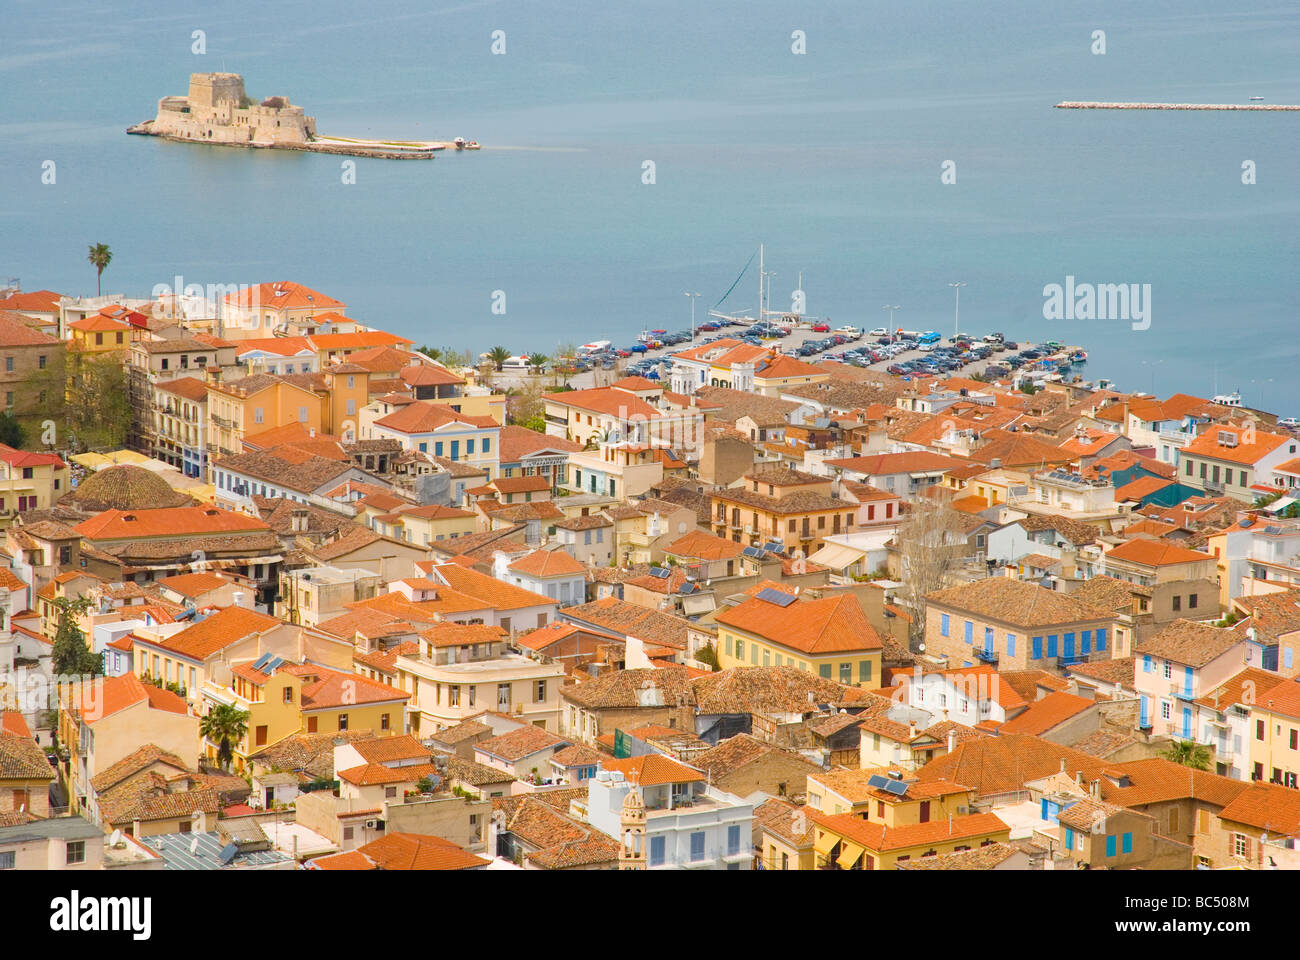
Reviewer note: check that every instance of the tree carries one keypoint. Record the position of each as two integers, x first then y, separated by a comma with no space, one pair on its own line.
499,355
1188,753
526,404
100,257
1028,387
538,362
433,353
224,725
99,404
707,655
11,431
930,541
71,655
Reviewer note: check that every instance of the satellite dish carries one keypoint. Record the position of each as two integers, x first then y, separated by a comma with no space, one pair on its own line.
115,839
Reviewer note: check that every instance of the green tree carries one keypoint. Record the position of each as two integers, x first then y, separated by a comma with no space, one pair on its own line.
499,355
1028,387
1189,754
706,654
433,353
538,362
71,655
12,433
225,725
99,405
100,257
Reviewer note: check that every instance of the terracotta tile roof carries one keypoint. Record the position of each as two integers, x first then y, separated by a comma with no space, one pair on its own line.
17,331
1188,642
334,689
370,774
769,690
20,756
476,774
1244,449
448,633
882,839
1155,553
1266,806
652,769
563,842
1074,531
519,744
638,687
852,785
1047,714
372,624
195,584
1108,593
548,563
309,753
133,763
518,442
1141,487
825,625
630,619
215,632
977,858
404,851
466,730
389,749
166,521
489,591
737,752
148,796
1272,614
423,416
783,820
883,464
576,755
1017,602
1118,671
105,696
1003,764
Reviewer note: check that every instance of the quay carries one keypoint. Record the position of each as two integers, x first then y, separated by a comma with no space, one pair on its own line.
1102,105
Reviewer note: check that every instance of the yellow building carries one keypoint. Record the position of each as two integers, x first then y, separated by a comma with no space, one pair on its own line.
875,795
283,699
1274,728
255,404
101,332
830,636
783,835
796,509
848,842
425,524
29,481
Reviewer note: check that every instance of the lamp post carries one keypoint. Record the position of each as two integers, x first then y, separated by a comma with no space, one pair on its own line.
956,306
891,310
692,296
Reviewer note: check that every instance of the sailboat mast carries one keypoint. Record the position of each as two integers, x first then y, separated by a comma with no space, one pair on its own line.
761,277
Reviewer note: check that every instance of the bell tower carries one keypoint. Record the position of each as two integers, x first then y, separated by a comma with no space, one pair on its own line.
631,854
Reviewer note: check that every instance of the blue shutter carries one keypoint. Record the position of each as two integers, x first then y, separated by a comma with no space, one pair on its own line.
1085,642
733,840
1037,648
1286,657
1069,838
1187,680
1011,644
1146,663
697,846
1069,646
1144,719
1101,640
1127,845
988,641
1187,723
970,632
1044,807
1110,846
656,851
943,624
1051,645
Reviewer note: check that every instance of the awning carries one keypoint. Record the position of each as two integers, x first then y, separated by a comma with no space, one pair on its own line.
849,855
836,556
825,842
694,606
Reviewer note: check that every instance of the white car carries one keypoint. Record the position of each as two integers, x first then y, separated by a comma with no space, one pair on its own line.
879,332
1290,423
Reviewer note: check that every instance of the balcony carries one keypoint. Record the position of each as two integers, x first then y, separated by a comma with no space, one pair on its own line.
985,656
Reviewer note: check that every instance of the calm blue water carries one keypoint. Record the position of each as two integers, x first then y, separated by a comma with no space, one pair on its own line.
831,158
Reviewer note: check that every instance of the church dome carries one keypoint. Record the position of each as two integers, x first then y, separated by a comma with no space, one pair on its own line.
125,487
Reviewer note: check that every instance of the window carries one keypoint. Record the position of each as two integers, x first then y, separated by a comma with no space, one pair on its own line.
1259,729
740,649
1240,845
846,673
1011,644
1178,603
1051,644
383,722
697,846
76,851
1126,843
733,840
1191,601
288,694
1165,710
1110,846
864,671
824,670
1169,670
657,845
343,721
348,833
260,735
943,624
9,858
539,695
1037,652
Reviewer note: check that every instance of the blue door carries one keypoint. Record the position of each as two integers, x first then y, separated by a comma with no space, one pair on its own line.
988,642
1144,719
1187,722
1069,646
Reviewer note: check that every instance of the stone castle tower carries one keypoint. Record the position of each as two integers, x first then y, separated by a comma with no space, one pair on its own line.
631,854
218,110
210,89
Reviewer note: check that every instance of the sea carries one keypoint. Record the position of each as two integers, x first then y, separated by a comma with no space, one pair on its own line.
635,152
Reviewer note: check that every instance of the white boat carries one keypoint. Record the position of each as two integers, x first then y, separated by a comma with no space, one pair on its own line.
596,346
1227,399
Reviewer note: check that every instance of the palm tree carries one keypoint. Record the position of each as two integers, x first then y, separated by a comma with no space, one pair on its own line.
225,725
1189,754
100,257
499,355
538,362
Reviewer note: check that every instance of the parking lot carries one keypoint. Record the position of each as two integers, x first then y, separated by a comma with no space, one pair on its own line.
901,355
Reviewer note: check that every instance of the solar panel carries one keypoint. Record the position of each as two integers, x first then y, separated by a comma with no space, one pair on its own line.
752,552
275,662
663,573
896,787
262,661
877,782
773,546
779,597
228,853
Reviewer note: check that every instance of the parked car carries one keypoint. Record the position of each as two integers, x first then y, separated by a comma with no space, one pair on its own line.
821,327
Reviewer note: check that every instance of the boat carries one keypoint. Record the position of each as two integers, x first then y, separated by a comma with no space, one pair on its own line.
1079,356
1257,98
473,145
459,143
1227,399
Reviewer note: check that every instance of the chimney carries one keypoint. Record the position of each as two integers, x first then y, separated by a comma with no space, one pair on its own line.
995,463
1096,789
311,432
1078,777
911,729
1063,764
952,741
239,598
298,521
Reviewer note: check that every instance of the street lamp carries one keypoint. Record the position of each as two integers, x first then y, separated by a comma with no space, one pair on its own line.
956,306
891,315
692,296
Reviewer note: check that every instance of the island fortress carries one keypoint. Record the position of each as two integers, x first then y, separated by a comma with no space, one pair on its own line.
218,111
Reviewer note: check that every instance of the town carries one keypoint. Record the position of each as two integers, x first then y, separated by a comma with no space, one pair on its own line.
282,590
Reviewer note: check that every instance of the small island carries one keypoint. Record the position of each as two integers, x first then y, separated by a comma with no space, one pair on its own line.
218,111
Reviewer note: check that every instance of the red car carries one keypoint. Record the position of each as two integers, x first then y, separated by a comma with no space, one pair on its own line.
821,328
